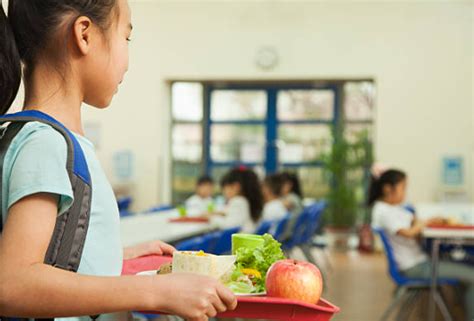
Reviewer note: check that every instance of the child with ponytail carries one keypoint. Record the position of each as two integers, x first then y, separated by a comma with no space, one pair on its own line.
386,197
72,52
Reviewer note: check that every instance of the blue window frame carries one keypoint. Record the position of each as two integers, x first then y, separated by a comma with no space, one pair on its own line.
271,124
267,126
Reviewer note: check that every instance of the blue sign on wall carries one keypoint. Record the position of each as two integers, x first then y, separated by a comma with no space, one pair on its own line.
453,171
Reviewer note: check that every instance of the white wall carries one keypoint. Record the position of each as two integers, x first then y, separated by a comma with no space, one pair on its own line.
419,53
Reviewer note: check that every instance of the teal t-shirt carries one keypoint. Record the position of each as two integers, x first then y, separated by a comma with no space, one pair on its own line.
36,162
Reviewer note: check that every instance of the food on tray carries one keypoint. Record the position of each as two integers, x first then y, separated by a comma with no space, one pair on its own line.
216,266
294,279
165,268
253,263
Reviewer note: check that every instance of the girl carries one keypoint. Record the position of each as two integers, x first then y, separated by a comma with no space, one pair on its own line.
386,195
291,194
73,52
292,198
241,190
200,202
271,188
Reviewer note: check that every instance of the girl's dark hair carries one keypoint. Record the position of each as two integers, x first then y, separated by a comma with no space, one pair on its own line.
390,177
33,28
205,180
294,181
250,189
274,183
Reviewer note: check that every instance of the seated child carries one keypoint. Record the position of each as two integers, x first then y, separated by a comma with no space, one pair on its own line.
271,189
243,207
199,203
386,195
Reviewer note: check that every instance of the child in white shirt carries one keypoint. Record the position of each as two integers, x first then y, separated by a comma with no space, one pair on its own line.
386,195
243,207
199,203
274,208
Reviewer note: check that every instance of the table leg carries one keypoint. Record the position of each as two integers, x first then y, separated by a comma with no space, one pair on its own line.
434,278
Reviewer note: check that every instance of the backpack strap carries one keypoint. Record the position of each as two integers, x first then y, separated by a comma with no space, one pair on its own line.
67,242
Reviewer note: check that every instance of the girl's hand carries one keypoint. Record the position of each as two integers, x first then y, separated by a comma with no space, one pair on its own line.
149,248
192,297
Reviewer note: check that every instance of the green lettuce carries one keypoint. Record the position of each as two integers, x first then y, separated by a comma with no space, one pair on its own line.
260,259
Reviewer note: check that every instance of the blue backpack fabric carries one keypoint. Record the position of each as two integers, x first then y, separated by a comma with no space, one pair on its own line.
67,242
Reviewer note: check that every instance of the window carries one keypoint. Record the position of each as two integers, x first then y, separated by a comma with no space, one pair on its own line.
265,126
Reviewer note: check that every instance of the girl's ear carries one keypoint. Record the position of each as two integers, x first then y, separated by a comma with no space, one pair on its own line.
82,34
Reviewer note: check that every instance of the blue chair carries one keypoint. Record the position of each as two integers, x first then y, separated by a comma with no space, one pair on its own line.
125,213
204,243
264,227
280,228
408,289
159,208
223,241
305,243
306,225
123,203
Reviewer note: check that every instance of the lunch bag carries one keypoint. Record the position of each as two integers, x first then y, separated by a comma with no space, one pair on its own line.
67,243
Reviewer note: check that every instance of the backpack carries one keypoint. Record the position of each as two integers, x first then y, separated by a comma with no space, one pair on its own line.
67,242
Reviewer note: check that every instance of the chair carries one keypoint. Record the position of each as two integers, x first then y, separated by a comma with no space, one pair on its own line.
279,231
264,227
408,290
315,212
204,243
159,208
306,225
123,203
223,241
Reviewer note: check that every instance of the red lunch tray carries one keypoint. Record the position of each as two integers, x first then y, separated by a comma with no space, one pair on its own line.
452,227
189,220
249,307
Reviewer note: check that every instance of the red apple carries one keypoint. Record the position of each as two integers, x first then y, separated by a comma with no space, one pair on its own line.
296,280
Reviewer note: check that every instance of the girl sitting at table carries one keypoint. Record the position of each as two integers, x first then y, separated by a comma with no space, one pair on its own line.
292,197
202,199
291,194
274,208
386,196
241,189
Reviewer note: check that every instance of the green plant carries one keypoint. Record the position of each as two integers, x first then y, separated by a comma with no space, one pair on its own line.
346,168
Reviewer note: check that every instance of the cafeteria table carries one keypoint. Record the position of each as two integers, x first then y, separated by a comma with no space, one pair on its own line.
459,235
144,227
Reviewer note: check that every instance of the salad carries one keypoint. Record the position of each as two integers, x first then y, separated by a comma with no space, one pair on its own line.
251,266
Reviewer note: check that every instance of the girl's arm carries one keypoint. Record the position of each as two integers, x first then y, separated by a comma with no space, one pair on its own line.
414,231
29,288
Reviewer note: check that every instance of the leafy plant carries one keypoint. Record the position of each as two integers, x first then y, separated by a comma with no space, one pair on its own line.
343,165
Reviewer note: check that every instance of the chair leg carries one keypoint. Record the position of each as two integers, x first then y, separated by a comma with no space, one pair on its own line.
441,303
399,295
327,259
307,252
408,305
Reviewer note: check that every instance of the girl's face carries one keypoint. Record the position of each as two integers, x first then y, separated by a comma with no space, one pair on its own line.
286,188
267,193
205,190
231,190
395,194
108,61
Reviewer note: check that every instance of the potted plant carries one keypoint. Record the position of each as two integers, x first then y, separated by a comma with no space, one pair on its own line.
346,167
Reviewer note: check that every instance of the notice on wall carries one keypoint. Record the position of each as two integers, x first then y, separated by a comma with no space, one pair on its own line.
453,171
